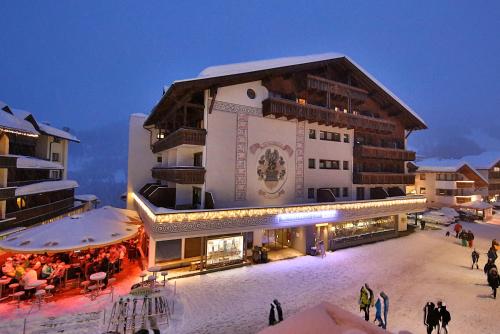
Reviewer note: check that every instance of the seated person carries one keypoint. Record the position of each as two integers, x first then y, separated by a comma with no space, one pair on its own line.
46,271
8,268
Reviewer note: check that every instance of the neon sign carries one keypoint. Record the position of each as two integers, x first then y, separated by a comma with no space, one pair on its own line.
326,214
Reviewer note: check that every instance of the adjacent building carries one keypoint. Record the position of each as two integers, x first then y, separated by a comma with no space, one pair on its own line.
491,172
33,171
282,153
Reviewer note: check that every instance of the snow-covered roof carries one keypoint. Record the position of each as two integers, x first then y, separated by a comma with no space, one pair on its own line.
478,205
484,160
213,75
461,167
11,123
86,197
34,163
50,130
259,65
92,229
43,187
3,104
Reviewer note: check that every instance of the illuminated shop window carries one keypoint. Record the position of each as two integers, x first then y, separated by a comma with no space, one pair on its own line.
224,250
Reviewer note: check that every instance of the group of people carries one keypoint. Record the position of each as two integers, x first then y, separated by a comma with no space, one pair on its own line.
436,317
272,313
466,236
491,270
367,300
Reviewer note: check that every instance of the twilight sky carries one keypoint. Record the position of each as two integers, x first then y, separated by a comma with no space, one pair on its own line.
85,64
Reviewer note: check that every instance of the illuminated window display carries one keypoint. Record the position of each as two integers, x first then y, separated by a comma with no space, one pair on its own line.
365,226
225,249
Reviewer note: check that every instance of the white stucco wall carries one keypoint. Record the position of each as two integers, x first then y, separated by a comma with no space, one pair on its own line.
140,157
238,94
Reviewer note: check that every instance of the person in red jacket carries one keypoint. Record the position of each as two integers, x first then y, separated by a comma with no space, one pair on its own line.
457,229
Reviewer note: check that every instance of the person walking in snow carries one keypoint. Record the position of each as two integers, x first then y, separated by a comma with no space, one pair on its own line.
386,307
272,316
492,253
490,264
457,229
364,302
322,249
470,239
445,318
430,319
279,310
378,312
493,281
463,238
475,259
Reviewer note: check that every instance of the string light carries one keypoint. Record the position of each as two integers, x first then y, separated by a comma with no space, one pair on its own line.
218,214
22,133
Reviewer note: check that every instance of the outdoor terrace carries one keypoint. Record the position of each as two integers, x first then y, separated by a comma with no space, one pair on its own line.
181,136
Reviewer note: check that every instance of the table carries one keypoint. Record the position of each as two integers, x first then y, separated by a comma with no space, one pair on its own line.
4,281
155,270
37,283
98,277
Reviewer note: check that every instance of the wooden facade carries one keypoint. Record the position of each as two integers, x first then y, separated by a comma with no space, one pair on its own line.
374,152
181,136
181,175
383,178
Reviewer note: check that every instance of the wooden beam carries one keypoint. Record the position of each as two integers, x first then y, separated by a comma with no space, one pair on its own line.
213,92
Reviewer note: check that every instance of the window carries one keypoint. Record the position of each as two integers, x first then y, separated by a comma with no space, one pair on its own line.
422,191
360,193
310,193
56,140
301,101
329,164
312,163
55,174
312,134
345,165
345,192
422,177
251,93
55,156
330,136
198,159
21,202
496,169
346,137
161,134
159,159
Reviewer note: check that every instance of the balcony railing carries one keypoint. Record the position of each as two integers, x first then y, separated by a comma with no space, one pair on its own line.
374,152
336,88
182,175
321,115
41,210
382,178
8,161
182,136
494,175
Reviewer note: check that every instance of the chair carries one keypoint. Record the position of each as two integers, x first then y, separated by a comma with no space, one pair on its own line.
29,290
49,289
93,291
142,275
164,275
40,297
13,287
85,286
17,296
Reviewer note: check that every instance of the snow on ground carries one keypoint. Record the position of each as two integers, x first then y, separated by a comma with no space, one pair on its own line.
425,266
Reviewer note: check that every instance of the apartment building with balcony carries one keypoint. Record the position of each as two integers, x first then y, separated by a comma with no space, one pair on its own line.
287,139
452,186
33,171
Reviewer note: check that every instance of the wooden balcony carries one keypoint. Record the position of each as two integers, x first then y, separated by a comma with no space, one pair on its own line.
182,136
41,212
494,175
7,192
8,161
382,178
182,175
336,88
375,152
292,110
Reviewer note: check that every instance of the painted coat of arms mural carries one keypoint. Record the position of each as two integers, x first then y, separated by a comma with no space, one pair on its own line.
272,171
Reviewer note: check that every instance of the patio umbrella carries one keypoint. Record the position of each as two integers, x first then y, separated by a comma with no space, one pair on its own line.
92,229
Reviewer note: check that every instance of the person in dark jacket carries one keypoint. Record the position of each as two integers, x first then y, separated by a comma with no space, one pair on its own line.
470,239
272,316
378,312
386,307
492,253
431,317
493,281
279,310
475,259
490,264
445,317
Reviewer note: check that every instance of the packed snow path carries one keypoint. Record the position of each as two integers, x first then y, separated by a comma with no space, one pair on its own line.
425,266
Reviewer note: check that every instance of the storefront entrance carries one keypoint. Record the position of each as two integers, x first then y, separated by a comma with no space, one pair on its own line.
277,239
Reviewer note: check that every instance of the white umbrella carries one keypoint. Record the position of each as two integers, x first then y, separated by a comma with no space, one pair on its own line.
92,229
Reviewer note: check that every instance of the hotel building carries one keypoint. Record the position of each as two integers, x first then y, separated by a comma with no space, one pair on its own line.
279,153
33,171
